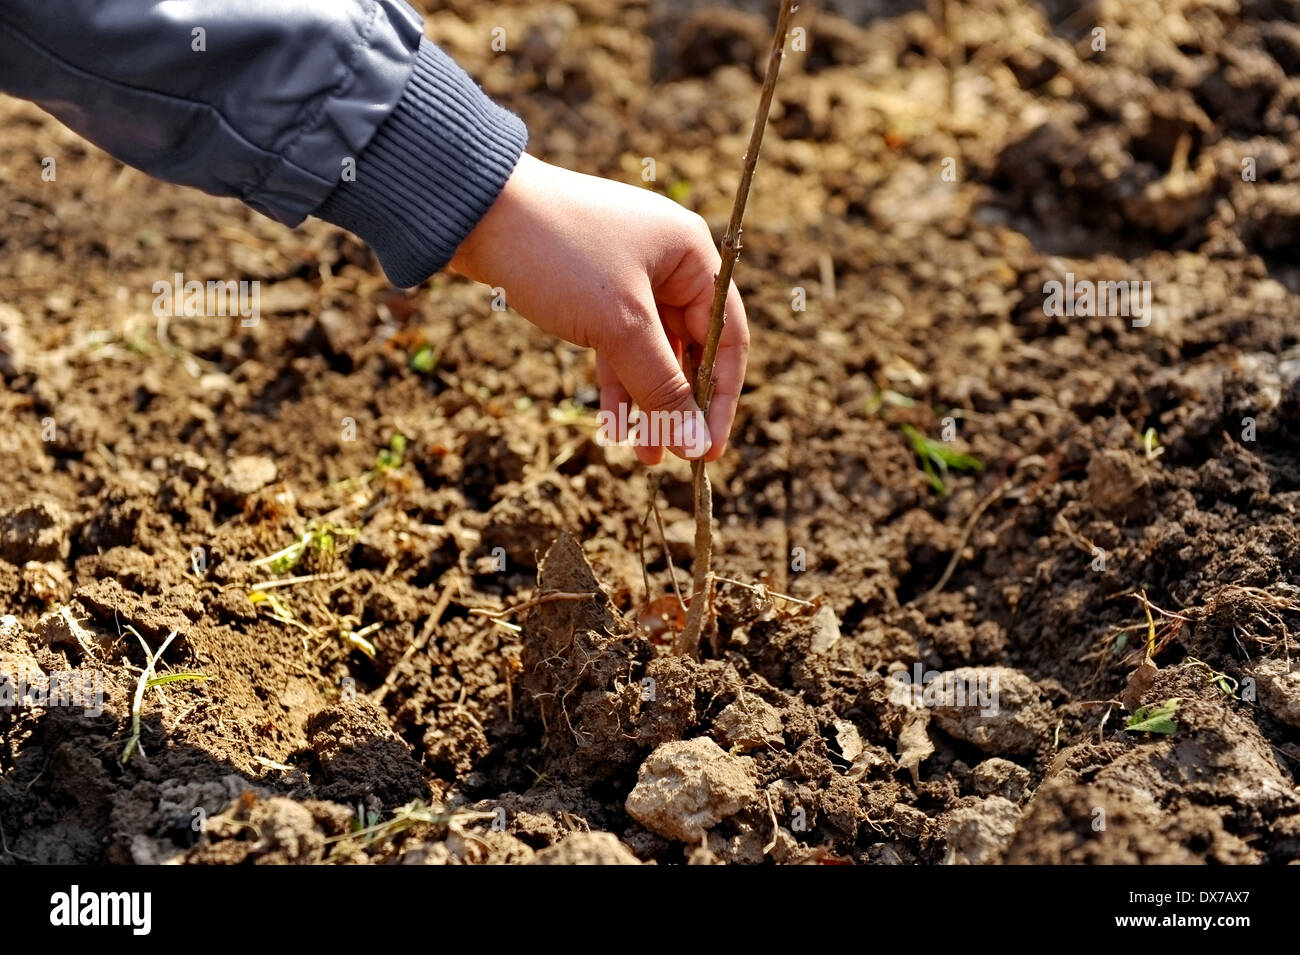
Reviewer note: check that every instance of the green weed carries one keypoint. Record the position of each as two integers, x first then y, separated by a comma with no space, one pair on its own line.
1156,718
937,459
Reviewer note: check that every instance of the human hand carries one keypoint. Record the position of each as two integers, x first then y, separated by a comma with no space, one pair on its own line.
622,270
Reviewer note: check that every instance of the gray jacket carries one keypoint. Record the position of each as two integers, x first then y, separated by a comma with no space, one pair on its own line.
334,108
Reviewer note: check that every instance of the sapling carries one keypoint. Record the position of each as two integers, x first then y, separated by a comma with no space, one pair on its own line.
688,641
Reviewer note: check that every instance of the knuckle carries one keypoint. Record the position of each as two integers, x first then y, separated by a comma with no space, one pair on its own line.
671,395
700,226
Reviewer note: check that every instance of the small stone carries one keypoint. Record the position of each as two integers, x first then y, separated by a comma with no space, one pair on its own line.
686,787
1278,688
246,475
1001,777
749,723
979,834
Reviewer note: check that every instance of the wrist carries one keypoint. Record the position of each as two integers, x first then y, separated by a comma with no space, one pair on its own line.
430,173
474,258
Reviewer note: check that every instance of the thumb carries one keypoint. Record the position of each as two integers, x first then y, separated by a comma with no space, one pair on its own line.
645,363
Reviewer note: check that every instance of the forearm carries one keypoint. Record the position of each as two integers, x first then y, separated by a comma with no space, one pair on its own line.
338,109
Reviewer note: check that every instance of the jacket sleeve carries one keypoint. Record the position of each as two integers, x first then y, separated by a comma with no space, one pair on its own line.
338,108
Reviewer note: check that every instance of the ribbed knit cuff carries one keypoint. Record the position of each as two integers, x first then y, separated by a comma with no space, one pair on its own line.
431,172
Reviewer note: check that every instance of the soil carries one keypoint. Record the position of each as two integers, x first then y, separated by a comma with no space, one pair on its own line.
384,709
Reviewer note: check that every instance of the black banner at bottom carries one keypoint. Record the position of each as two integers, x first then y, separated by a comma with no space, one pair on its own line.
339,904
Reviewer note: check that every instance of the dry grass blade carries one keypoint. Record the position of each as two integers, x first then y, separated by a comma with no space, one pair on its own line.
151,661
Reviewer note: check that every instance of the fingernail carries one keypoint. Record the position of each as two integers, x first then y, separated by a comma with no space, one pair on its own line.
695,435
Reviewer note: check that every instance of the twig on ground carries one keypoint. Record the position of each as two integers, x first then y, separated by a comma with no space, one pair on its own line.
534,602
775,827
971,521
653,509
760,589
663,542
420,642
290,581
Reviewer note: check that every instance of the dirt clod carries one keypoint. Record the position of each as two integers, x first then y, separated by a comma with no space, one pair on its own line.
587,848
361,757
246,475
1278,687
1001,777
687,787
1014,718
915,208
749,723
36,531
979,832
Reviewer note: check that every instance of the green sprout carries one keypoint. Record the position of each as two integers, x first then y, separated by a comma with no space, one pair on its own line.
887,396
569,411
1151,444
393,456
679,191
279,609
319,540
356,639
1156,718
1226,684
424,360
182,676
938,459
415,813
149,680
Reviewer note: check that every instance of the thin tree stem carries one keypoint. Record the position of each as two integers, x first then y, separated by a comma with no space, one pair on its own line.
688,641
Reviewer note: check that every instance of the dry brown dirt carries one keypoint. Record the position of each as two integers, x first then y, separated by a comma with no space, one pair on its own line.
147,467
